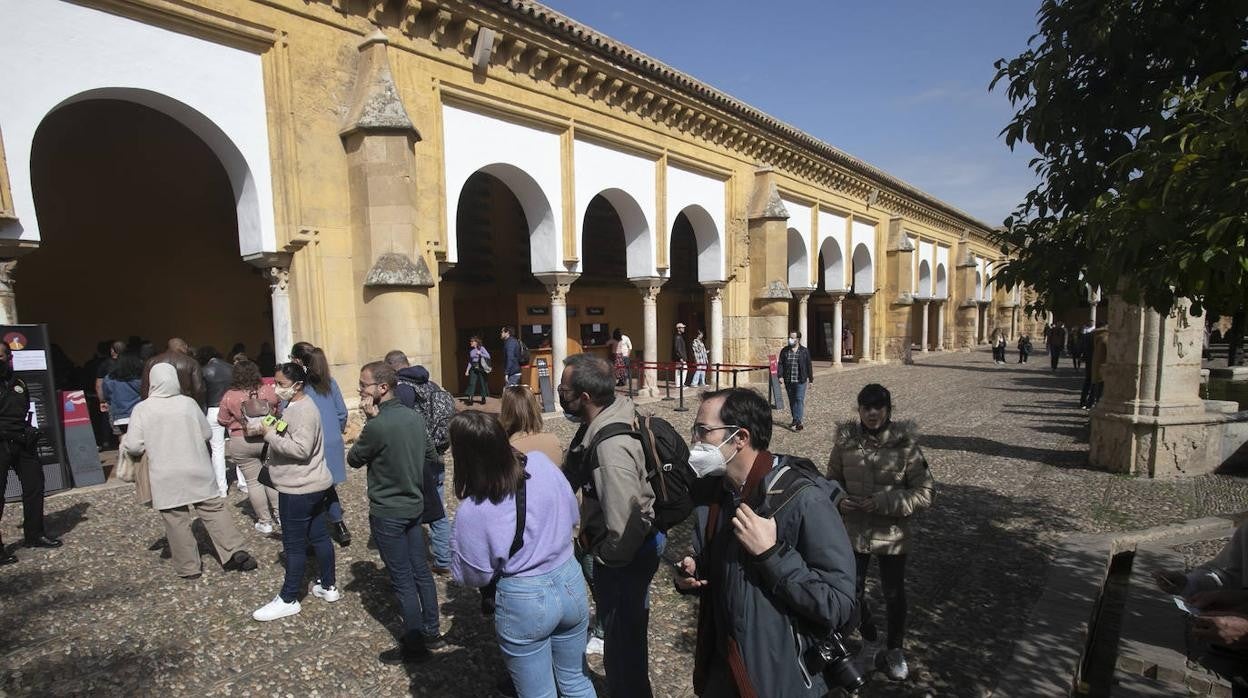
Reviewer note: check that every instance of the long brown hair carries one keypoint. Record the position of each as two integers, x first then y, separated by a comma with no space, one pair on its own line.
520,413
313,359
486,466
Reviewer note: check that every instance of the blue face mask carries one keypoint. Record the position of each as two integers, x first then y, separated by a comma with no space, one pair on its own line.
575,419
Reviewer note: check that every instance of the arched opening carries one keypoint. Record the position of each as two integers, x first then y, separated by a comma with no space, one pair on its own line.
854,316
922,310
798,279
831,278
942,283
683,298
139,222
615,244
491,284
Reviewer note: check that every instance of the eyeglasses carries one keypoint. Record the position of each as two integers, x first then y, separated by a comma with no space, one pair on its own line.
701,431
366,385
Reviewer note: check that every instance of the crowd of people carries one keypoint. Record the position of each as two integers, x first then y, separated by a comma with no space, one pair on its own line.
542,527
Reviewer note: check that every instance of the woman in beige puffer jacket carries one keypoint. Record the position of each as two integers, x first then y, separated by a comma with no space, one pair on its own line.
886,479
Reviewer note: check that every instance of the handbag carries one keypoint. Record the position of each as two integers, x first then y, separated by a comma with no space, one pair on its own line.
485,364
142,483
125,466
254,407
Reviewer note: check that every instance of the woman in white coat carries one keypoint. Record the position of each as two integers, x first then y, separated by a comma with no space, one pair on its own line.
172,430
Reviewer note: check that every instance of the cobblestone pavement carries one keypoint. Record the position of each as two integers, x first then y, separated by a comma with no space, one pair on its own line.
106,615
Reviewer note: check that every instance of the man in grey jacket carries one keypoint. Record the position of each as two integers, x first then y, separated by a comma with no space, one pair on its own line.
771,582
617,516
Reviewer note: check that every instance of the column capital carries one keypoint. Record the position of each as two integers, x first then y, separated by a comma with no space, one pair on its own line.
8,277
279,279
802,294
558,284
865,299
648,286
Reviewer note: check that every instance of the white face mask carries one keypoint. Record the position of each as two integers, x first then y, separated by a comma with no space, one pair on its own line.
792,341
286,392
707,460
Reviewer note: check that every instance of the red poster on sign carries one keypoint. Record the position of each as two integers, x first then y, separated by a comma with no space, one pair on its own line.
74,409
774,362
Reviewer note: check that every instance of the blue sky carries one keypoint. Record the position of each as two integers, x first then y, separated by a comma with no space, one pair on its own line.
902,84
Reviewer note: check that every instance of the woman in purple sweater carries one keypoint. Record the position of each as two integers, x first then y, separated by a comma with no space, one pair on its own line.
542,610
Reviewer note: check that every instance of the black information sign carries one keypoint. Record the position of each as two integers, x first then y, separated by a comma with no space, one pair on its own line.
594,310
32,362
539,310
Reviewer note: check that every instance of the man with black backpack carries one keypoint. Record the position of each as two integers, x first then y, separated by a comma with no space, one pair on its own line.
775,561
437,406
515,355
617,516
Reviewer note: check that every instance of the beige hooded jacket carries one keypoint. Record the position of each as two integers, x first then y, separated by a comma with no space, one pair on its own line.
888,467
173,431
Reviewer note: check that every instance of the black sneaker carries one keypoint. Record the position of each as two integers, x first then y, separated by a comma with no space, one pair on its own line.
241,561
401,654
435,642
7,558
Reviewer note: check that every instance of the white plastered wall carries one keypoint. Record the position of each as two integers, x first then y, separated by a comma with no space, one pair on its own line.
627,181
940,288
702,199
799,240
526,159
54,53
832,243
981,269
927,253
863,233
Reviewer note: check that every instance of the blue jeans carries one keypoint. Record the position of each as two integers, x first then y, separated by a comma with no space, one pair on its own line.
623,595
401,543
303,523
513,378
440,531
541,623
797,400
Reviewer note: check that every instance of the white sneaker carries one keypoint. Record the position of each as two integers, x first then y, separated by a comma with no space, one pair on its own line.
893,662
331,594
264,527
276,609
594,646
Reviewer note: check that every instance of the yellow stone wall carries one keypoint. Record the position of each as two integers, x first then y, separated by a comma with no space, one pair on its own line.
310,70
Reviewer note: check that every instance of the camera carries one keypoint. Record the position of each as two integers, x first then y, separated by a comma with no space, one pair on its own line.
828,656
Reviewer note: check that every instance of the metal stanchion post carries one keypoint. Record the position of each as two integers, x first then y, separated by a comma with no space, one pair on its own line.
716,376
667,386
681,406
734,377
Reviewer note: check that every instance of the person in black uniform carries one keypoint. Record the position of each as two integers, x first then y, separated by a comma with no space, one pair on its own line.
17,451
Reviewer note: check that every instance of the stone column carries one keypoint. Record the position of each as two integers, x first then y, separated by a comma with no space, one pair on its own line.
558,285
1150,420
716,292
8,297
837,328
940,325
983,331
923,345
864,351
803,301
649,288
1092,314
279,297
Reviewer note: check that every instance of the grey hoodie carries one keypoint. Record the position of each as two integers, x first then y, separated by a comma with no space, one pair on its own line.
618,512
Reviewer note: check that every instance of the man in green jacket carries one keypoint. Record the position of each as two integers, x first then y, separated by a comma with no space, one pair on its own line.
395,446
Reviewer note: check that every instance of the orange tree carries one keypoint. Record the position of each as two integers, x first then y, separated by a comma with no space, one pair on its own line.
1139,112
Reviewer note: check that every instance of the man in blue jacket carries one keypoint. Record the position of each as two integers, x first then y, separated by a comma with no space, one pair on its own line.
511,356
771,582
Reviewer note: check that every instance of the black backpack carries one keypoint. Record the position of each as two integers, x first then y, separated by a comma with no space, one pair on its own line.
525,358
667,466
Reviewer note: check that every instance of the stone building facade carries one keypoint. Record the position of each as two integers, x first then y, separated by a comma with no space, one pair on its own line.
371,175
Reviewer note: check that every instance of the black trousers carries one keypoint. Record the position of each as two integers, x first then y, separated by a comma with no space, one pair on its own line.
893,579
30,474
1055,355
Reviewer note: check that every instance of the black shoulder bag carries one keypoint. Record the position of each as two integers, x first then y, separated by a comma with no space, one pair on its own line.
489,590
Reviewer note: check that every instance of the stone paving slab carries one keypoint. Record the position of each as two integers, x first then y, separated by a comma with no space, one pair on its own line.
1007,445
